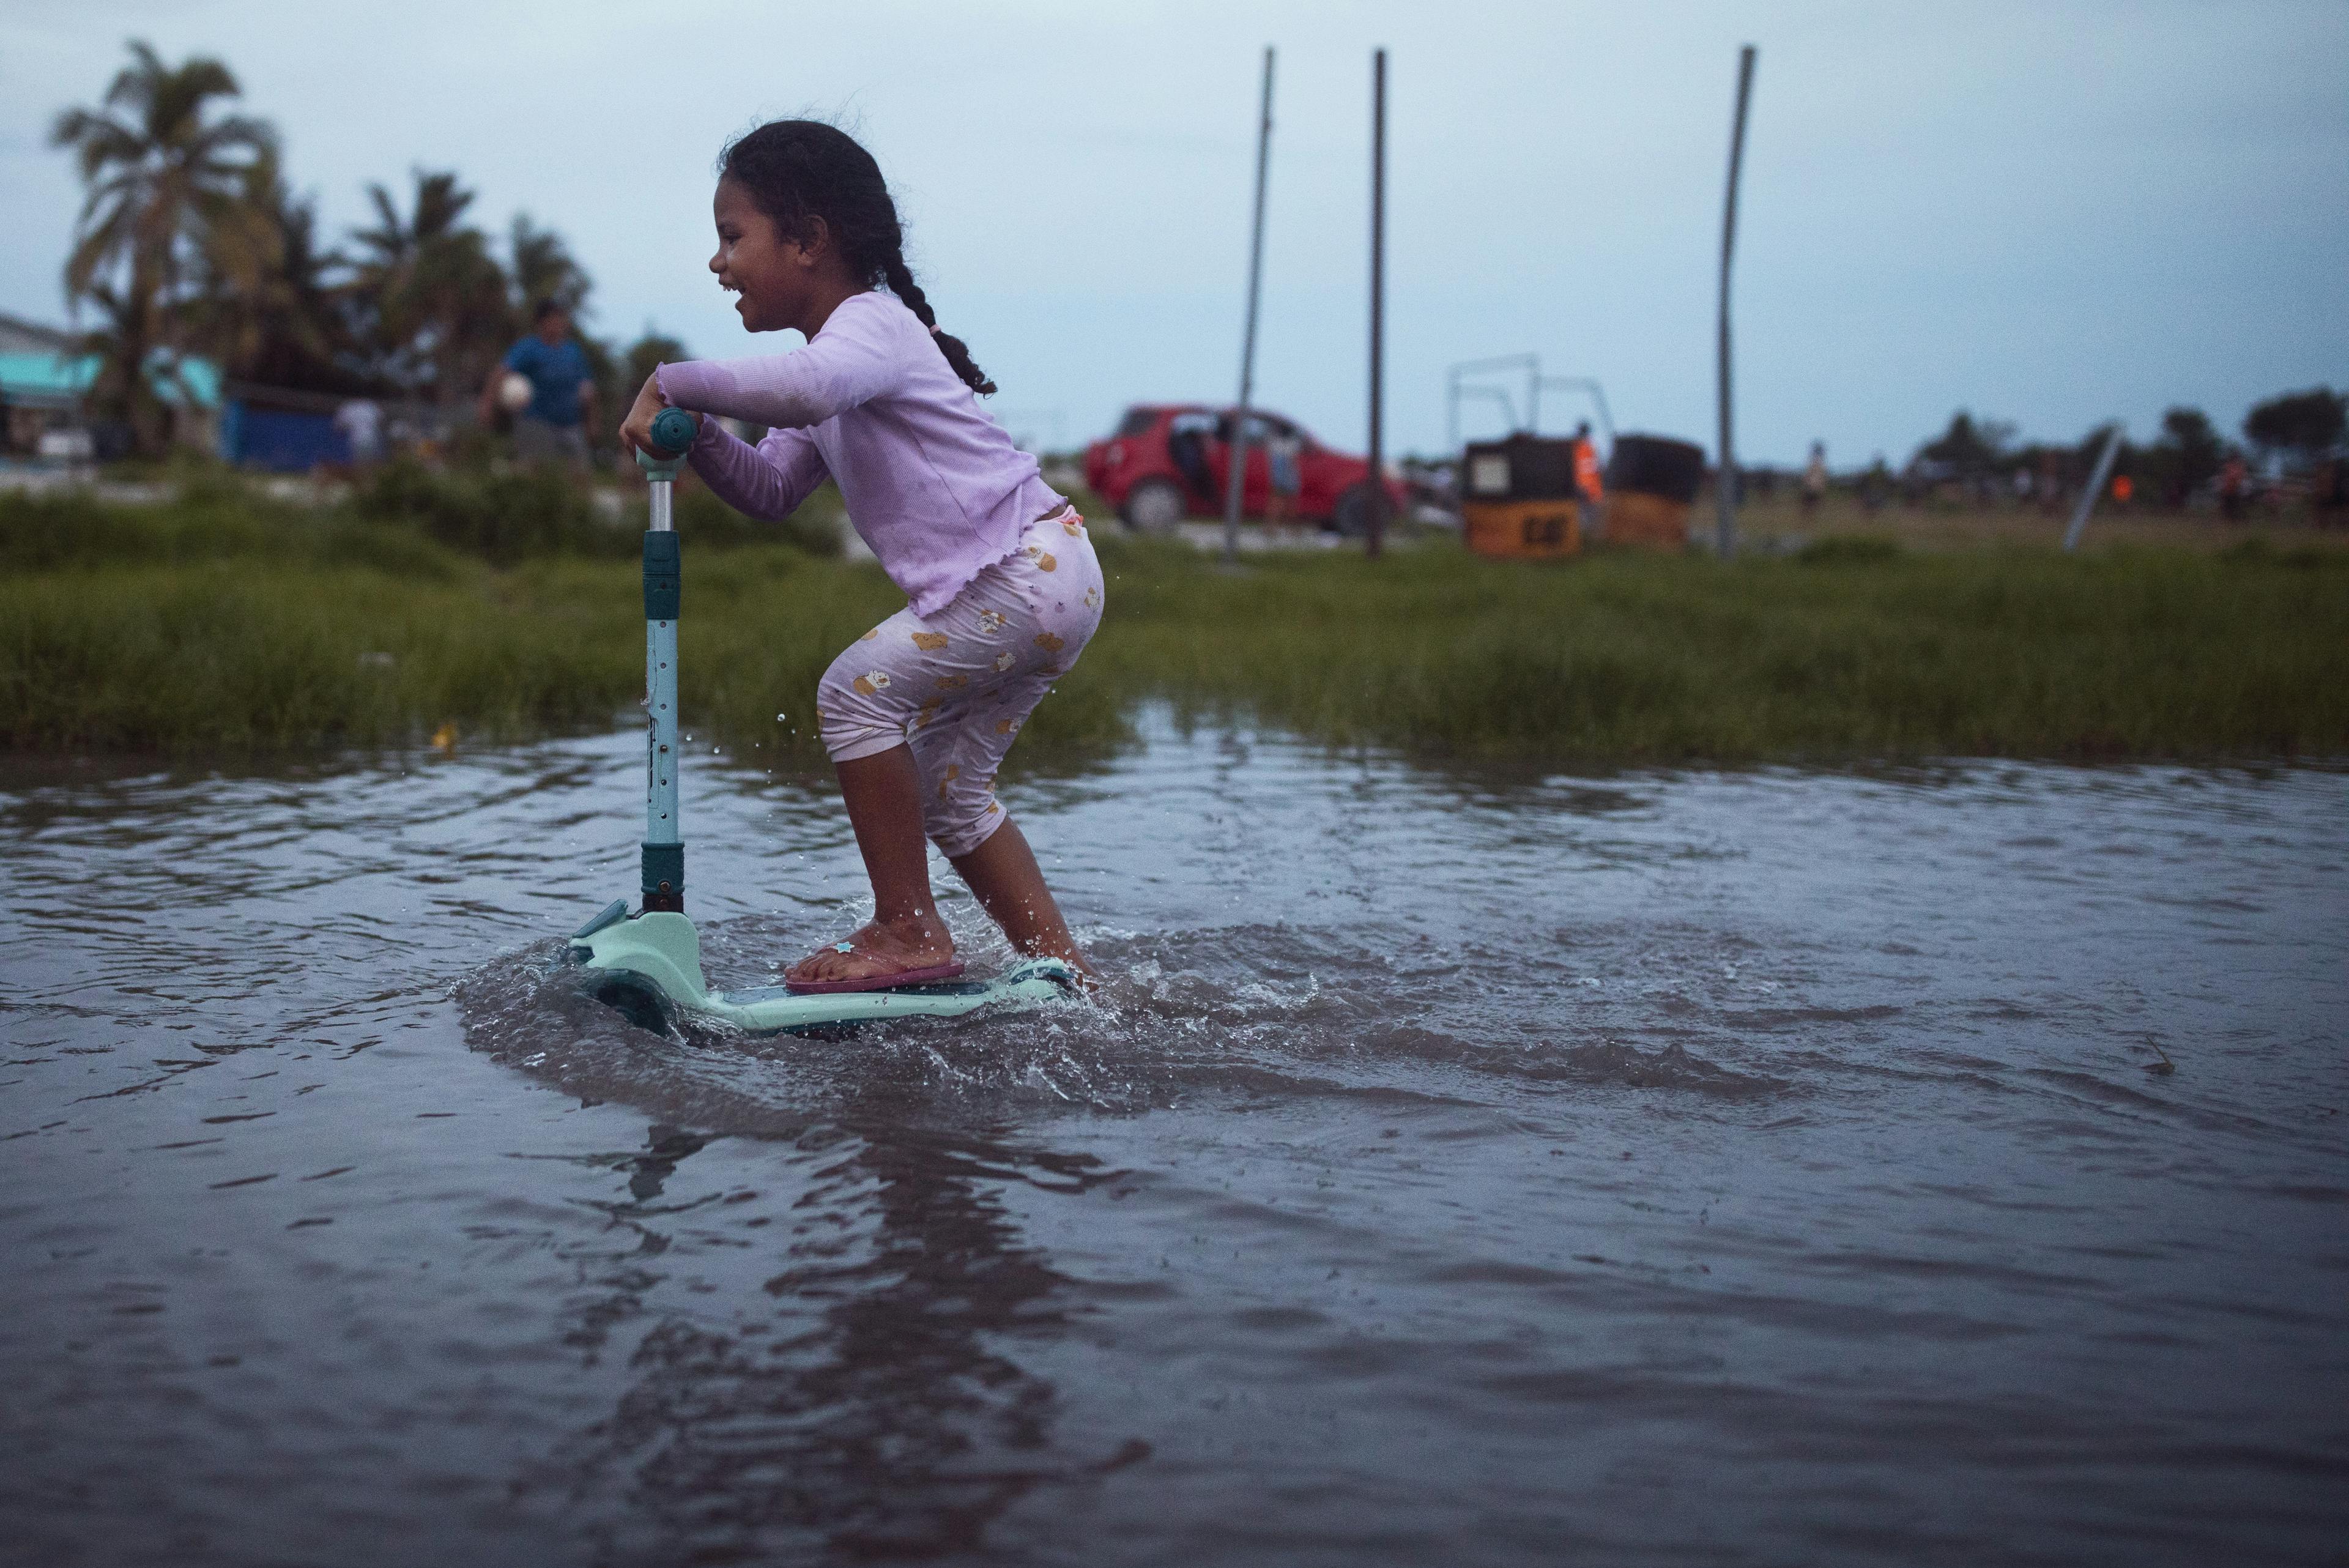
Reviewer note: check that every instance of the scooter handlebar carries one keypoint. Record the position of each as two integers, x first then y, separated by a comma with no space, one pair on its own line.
673,434
674,430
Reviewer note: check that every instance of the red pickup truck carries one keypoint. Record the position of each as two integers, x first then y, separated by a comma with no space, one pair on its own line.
1171,461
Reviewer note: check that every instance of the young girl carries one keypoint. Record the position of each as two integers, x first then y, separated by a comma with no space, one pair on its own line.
1004,588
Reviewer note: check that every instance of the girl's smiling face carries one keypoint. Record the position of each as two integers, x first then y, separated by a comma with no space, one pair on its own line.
774,277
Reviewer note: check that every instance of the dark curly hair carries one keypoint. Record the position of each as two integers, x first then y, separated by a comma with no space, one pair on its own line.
799,169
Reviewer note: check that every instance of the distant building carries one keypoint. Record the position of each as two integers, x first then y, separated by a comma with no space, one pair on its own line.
33,388
21,337
45,382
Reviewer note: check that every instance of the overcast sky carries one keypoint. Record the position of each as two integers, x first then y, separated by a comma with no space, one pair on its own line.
2046,211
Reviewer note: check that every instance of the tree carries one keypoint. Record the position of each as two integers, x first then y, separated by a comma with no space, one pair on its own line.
2306,425
431,298
160,168
269,302
542,268
2186,458
648,354
1968,448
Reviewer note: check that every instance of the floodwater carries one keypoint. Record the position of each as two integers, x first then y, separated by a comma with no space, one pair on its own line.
1940,1166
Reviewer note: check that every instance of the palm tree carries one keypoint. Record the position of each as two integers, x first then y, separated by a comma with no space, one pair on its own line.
433,298
543,268
160,167
268,301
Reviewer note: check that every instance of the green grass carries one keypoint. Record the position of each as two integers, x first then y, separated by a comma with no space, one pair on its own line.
223,625
1848,652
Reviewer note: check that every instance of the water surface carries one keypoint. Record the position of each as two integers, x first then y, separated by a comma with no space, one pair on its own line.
1759,1167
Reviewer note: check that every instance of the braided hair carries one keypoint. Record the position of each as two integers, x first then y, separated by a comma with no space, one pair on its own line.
796,171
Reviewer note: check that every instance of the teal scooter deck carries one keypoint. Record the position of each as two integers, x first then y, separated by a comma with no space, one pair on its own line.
655,960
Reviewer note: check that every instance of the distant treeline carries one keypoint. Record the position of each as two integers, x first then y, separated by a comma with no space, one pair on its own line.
2297,431
191,242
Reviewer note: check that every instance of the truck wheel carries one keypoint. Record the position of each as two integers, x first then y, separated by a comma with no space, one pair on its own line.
1153,506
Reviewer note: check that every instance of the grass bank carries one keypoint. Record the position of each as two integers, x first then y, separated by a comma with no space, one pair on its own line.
1850,649
239,631
1778,522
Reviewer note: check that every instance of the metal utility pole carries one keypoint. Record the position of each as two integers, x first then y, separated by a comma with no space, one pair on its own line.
1725,493
1236,448
1378,295
2096,488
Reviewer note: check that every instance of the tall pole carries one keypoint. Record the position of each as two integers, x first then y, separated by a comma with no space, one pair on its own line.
1724,492
2096,488
1378,296
1236,448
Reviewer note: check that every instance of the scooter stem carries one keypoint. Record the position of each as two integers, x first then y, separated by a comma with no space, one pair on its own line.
663,844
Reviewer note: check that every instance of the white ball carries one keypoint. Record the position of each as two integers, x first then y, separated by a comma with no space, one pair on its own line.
515,392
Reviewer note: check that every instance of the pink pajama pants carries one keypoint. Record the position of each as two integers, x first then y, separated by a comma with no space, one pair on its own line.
956,687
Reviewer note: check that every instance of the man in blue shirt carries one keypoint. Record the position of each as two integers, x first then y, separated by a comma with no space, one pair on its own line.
554,424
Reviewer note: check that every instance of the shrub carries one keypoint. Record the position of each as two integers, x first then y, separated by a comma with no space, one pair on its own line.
501,518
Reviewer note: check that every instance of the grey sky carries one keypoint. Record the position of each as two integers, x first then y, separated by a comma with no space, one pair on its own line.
2046,212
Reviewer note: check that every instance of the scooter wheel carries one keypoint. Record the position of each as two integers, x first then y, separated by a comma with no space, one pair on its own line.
635,998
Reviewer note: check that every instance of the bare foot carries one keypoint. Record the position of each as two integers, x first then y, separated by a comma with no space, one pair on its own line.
880,948
1010,886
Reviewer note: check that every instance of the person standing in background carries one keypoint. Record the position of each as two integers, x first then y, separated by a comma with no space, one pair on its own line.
1815,480
361,422
2232,478
553,427
1280,451
1586,466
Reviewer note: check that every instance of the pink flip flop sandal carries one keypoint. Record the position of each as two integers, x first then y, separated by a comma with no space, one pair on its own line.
950,969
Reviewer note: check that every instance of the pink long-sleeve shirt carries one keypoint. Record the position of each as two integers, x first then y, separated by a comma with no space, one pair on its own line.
932,485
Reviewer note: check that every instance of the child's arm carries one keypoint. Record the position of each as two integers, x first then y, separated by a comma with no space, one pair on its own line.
860,354
768,480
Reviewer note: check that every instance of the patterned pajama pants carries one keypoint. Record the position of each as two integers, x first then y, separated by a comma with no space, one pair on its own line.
956,687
